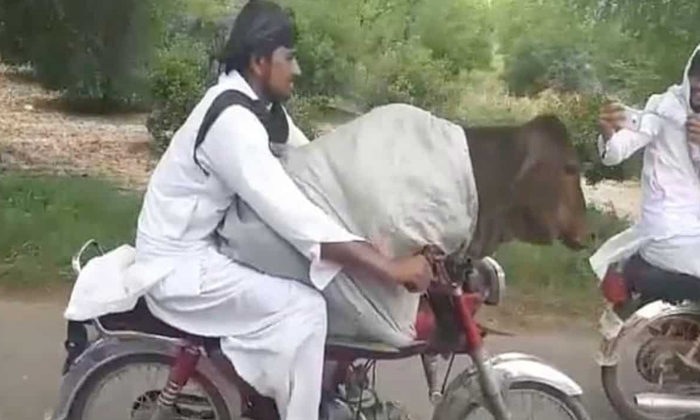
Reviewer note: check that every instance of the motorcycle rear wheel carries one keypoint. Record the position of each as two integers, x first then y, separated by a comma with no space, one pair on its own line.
128,389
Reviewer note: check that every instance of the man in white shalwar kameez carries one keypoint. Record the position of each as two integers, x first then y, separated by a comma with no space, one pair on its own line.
668,234
273,330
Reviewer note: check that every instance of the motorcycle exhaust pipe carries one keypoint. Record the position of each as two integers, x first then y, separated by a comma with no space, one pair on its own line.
667,403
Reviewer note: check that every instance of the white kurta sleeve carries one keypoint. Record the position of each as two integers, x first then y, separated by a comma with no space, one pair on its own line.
625,142
236,151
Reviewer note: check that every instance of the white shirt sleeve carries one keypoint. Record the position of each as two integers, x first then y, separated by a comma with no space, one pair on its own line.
237,152
625,142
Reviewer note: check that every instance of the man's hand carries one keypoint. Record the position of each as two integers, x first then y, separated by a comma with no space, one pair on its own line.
610,119
693,126
414,272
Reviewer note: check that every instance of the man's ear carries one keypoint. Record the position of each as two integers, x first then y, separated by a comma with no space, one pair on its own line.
259,64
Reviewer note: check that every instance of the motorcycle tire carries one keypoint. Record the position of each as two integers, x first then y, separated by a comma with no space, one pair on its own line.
469,409
98,381
626,408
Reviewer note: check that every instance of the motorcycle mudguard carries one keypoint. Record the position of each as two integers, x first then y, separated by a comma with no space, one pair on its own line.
107,350
508,368
608,354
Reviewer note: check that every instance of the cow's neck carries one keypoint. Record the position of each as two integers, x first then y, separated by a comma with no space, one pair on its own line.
496,160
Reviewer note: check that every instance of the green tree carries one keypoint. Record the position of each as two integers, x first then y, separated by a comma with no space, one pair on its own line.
644,44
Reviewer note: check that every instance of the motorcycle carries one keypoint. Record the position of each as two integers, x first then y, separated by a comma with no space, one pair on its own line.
133,366
650,352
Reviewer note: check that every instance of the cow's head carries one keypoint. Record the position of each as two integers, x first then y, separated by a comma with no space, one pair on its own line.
548,201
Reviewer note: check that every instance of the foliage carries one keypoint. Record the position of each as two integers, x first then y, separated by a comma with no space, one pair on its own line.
458,32
545,45
97,50
101,53
650,40
20,20
378,51
407,73
44,220
177,84
186,64
556,55
533,68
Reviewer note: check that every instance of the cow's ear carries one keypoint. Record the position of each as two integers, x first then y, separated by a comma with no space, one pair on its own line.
537,188
527,143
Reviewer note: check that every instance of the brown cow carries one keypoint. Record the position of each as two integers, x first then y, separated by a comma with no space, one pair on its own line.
528,180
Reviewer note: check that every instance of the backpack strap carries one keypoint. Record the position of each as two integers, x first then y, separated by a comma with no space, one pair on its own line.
274,120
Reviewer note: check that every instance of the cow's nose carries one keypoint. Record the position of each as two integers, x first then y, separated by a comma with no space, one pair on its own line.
575,243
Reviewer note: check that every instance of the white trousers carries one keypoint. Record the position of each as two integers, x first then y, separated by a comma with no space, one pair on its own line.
273,330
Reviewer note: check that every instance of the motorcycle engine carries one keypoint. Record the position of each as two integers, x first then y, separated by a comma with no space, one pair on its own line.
358,394
338,409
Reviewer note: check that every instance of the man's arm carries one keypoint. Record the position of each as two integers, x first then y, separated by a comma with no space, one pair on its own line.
615,143
362,258
236,151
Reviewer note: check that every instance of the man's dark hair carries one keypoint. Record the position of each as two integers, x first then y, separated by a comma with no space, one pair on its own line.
695,66
260,28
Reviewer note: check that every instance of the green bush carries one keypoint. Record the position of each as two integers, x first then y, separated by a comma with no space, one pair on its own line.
187,62
375,52
178,80
100,50
533,68
407,72
20,22
457,31
326,63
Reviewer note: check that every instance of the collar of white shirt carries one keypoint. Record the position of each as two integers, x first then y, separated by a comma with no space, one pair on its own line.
234,80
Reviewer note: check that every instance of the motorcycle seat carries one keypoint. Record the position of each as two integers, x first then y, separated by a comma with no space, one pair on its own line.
140,319
655,283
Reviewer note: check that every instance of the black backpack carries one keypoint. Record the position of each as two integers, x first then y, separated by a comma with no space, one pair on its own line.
274,120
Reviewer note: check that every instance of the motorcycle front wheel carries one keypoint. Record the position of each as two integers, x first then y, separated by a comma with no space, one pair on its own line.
128,389
531,400
525,400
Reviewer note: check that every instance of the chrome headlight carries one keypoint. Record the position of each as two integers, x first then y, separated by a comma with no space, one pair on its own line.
489,279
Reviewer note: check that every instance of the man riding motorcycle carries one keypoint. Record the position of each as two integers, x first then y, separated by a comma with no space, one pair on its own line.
272,329
668,234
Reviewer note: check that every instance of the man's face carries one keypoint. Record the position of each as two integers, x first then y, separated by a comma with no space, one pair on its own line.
282,69
695,93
